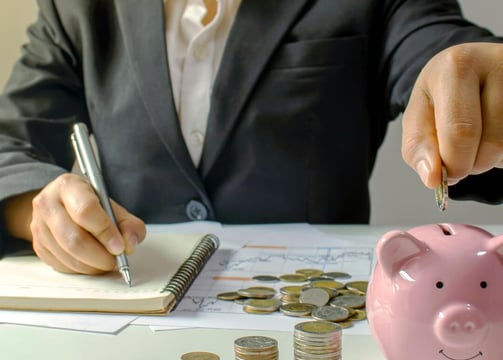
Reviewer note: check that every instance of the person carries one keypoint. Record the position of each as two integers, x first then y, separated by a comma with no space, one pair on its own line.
240,112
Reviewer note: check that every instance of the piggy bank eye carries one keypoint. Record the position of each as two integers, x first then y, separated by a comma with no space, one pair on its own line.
483,284
439,284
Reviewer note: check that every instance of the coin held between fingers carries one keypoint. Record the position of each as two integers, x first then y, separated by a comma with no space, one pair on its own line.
442,191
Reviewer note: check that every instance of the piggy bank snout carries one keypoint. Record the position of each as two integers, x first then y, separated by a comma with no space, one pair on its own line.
460,325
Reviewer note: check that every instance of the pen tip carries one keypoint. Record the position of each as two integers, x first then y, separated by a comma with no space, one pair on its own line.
126,276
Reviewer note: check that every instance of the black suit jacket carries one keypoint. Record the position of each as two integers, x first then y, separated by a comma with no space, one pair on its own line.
299,107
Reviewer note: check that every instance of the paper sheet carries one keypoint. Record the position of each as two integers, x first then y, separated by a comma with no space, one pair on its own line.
244,251
99,323
252,250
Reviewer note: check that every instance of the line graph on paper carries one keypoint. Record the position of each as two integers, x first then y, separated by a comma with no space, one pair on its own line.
230,270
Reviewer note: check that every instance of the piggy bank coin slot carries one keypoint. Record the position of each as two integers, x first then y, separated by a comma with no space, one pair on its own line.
446,229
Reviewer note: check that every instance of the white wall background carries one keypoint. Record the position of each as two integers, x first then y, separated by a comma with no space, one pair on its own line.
398,196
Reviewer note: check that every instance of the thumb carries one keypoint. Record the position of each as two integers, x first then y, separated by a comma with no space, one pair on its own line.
420,148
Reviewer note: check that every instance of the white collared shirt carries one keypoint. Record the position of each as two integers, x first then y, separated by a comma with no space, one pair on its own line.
194,54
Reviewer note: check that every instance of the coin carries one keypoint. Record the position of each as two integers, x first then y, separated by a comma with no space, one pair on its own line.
257,292
349,301
329,284
309,272
295,278
318,327
358,286
263,304
337,275
358,315
297,309
291,290
442,191
199,355
266,278
256,347
330,313
314,296
229,296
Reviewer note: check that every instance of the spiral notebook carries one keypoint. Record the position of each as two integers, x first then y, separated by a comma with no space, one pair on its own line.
162,269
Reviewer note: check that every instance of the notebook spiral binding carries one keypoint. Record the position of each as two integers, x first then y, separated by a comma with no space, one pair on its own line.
188,271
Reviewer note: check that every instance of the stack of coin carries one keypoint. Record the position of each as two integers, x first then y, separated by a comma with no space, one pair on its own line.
256,348
317,340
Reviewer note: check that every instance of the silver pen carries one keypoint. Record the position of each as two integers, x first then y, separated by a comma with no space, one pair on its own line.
89,167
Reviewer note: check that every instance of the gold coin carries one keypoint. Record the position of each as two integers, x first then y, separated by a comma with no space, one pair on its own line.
263,304
309,272
318,327
199,355
345,324
257,292
229,296
252,310
337,275
297,309
359,286
442,191
329,284
291,290
358,315
295,278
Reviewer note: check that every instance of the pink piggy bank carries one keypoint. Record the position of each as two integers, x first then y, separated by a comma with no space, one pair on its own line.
437,293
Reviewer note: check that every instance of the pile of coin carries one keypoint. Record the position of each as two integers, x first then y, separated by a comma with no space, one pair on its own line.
256,348
317,340
319,295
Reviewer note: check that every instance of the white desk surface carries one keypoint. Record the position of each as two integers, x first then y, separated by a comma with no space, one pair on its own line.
140,342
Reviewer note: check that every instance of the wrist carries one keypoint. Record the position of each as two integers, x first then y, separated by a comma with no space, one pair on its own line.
17,212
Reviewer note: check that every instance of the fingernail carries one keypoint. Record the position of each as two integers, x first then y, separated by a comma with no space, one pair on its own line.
423,169
116,245
132,242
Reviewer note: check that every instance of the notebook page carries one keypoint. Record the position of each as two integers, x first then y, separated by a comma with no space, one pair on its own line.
152,265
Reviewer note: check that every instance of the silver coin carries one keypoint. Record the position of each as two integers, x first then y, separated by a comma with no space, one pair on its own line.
314,296
349,301
330,313
442,191
255,342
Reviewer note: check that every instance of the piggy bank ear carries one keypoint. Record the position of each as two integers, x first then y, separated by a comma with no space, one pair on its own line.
395,248
496,246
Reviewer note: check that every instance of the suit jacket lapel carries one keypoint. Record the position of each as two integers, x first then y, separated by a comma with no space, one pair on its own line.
257,30
142,26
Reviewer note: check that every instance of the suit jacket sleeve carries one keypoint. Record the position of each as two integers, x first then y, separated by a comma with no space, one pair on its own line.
41,100
409,23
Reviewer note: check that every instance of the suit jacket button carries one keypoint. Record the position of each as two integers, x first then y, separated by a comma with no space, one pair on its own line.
196,210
